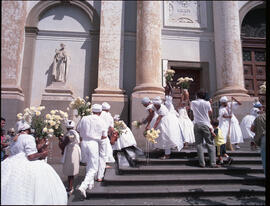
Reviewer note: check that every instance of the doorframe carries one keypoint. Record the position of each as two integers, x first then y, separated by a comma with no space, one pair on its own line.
203,67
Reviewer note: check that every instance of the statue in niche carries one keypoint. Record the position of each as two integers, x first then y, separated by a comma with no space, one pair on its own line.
61,64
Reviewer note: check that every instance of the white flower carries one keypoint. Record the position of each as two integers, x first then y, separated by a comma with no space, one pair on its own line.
67,108
86,97
52,112
88,103
51,130
45,130
38,113
48,116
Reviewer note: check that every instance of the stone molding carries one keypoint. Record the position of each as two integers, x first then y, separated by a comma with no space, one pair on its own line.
246,8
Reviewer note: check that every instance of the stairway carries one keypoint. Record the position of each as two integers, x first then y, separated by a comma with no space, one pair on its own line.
138,180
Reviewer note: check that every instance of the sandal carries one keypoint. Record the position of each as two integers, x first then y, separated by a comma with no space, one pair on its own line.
165,157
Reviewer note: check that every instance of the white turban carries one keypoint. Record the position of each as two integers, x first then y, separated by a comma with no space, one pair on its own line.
146,100
105,106
223,99
97,108
22,125
254,111
116,117
157,100
70,124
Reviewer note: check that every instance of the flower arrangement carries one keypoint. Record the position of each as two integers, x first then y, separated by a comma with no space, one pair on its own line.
169,75
263,88
53,122
184,82
137,124
151,135
82,106
120,126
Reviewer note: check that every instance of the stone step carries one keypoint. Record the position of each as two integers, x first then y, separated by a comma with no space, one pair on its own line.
193,161
180,169
251,179
139,191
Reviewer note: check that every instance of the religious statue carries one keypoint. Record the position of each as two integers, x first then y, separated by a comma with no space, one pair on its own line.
61,64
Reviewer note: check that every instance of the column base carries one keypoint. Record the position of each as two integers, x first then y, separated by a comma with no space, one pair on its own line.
138,113
232,91
149,88
12,103
116,98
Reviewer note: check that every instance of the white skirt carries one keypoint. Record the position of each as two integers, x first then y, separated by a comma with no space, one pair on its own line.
126,139
109,152
27,182
170,133
186,126
235,130
245,126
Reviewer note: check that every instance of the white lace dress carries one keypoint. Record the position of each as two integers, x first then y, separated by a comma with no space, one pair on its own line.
27,182
170,132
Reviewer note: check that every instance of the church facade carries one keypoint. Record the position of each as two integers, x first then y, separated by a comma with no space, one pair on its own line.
118,51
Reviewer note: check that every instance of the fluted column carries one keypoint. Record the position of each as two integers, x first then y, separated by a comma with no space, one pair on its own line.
110,67
148,62
228,49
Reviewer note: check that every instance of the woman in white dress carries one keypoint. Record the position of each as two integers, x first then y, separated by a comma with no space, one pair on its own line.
225,116
25,179
169,127
125,139
186,124
151,114
246,123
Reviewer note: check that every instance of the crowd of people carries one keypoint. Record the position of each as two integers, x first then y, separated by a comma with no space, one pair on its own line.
27,179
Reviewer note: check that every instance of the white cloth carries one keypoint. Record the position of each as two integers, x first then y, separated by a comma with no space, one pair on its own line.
245,126
106,106
22,125
186,125
170,132
235,130
107,117
29,182
145,100
97,108
169,104
151,107
92,127
126,139
200,110
92,151
75,133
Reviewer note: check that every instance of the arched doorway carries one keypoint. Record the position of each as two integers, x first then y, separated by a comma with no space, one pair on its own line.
253,36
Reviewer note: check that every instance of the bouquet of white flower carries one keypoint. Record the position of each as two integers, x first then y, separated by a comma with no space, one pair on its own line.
169,75
263,88
137,124
82,106
184,82
151,135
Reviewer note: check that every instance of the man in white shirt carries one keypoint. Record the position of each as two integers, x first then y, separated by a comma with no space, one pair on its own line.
202,111
92,129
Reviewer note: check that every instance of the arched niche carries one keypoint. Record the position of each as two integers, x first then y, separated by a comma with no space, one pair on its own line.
77,21
247,7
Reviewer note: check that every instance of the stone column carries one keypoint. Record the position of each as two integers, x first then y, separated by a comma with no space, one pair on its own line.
110,68
148,60
12,98
228,49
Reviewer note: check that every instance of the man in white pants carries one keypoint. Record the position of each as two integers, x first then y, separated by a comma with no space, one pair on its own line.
92,129
107,117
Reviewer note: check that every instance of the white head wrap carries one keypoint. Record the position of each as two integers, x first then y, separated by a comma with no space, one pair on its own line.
116,117
97,108
106,106
70,124
157,100
254,111
22,125
223,99
146,100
